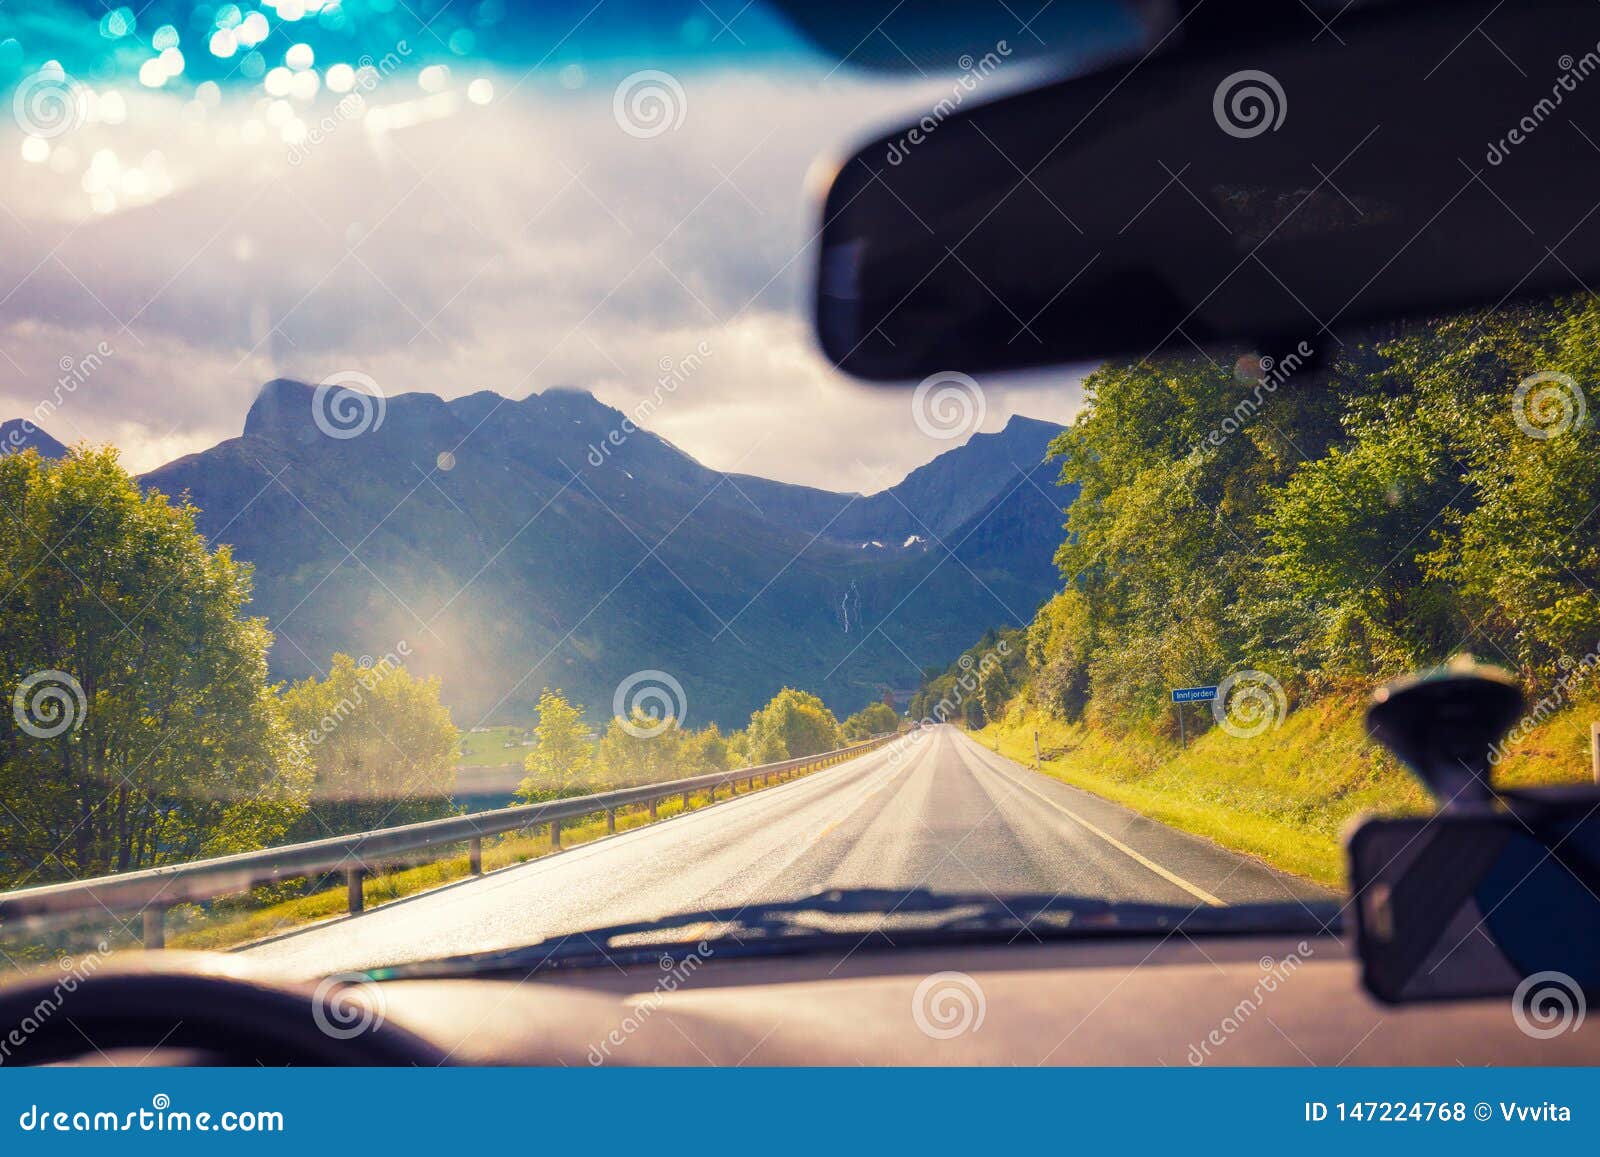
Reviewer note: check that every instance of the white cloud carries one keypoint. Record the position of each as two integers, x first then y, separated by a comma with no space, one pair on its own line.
512,247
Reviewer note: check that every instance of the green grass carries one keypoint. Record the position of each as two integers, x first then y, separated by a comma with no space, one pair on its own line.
488,748
1285,796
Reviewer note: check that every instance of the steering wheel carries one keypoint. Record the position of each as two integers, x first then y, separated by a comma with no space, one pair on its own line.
208,1009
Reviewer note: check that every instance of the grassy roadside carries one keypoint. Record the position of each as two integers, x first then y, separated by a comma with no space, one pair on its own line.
1284,796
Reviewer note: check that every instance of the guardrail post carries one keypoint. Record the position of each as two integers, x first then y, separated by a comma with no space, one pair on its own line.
711,794
611,820
555,835
685,801
653,805
155,927
475,857
353,893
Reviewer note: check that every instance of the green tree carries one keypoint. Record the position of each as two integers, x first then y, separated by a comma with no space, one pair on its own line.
704,750
1060,642
380,746
1349,532
737,750
973,715
873,719
562,762
994,689
639,750
145,732
792,724
1524,552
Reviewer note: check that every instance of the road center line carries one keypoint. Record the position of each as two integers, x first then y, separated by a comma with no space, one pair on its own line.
1194,890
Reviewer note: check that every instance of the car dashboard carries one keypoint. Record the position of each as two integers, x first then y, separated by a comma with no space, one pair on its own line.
1176,1001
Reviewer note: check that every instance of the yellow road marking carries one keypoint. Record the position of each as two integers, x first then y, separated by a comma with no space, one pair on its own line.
823,833
1194,890
868,794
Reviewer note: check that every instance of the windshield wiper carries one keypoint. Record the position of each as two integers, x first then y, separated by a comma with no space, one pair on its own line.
881,917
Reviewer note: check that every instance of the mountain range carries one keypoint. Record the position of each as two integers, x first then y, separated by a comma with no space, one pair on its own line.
507,546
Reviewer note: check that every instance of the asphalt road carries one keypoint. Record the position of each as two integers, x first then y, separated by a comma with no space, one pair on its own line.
944,813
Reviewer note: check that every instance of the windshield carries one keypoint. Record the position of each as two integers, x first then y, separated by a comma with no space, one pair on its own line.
420,483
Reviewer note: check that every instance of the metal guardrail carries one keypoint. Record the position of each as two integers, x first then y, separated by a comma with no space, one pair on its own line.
152,891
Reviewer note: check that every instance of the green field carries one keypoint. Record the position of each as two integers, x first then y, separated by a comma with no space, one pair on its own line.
487,748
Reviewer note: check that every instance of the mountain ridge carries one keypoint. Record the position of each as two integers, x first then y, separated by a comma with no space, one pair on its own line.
484,533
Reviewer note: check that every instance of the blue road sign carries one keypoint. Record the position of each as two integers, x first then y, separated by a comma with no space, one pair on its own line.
1193,694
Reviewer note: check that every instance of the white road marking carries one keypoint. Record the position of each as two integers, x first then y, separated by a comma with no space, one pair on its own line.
1194,890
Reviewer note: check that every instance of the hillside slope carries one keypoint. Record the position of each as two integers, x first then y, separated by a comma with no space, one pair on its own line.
1286,796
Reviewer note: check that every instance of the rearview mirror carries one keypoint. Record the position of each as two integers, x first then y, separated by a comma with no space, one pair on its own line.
1413,159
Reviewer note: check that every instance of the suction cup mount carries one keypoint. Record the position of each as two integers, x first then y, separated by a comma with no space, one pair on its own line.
1444,725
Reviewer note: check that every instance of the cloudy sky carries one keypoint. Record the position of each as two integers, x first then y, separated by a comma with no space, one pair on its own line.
472,226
